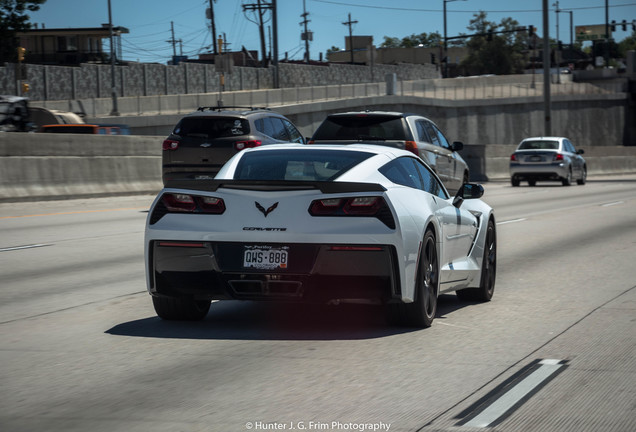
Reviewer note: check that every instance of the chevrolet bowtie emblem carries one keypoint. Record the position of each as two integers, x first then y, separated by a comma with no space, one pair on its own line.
262,209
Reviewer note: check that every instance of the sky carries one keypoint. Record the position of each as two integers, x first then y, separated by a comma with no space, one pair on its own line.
150,21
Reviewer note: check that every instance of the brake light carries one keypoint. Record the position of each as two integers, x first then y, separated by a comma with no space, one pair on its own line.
170,144
558,157
412,147
241,145
179,202
513,157
185,203
371,206
367,206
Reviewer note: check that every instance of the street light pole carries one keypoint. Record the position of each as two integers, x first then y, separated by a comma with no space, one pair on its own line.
446,40
557,52
114,112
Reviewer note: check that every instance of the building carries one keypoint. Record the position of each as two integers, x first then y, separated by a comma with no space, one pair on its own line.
69,46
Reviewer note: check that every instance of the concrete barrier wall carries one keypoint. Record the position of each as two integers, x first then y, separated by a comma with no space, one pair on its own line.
61,166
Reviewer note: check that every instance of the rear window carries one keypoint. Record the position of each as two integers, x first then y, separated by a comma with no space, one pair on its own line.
212,127
362,127
539,145
306,165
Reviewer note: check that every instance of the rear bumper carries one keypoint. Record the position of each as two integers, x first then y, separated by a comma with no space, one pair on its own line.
554,171
316,273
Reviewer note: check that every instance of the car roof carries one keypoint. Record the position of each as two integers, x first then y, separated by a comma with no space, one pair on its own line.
230,110
369,112
543,138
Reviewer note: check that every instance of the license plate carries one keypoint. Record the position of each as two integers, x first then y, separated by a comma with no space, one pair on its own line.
536,158
266,257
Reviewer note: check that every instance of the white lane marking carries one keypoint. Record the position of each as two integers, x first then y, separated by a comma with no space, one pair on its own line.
612,203
511,221
509,399
23,247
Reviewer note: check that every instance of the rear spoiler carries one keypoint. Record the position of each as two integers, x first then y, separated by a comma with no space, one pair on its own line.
274,185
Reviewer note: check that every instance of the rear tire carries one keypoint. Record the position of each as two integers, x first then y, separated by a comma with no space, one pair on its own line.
180,309
583,178
515,182
567,181
421,312
488,270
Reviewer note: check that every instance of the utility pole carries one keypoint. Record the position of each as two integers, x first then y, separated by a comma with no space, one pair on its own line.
173,41
304,22
350,23
557,52
213,27
115,111
546,71
260,9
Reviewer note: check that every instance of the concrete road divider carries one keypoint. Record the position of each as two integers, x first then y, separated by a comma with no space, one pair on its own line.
37,166
41,166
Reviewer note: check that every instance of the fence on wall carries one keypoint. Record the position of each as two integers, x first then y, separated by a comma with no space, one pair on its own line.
95,81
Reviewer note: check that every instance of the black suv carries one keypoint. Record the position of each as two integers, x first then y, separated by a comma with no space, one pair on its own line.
411,132
204,140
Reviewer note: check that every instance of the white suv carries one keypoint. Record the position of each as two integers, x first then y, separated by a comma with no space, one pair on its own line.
406,131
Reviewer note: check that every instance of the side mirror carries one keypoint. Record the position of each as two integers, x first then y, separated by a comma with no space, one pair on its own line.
457,146
580,151
468,191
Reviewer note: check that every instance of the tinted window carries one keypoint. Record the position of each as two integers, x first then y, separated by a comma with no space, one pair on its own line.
402,171
442,139
212,127
429,182
361,127
422,135
432,134
410,172
294,135
539,145
289,164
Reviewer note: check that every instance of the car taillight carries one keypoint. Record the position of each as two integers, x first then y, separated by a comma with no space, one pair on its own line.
558,157
241,145
185,203
311,142
372,206
170,144
412,147
513,157
366,206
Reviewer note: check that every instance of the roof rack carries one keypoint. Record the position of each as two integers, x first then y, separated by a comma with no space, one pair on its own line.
223,108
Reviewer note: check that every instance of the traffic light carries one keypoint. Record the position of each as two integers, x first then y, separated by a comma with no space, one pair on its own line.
21,52
432,58
613,26
489,37
624,25
25,87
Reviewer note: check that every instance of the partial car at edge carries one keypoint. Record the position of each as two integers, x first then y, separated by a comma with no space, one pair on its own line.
319,224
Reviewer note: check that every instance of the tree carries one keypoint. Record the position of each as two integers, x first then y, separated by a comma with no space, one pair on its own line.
491,53
13,19
627,44
412,41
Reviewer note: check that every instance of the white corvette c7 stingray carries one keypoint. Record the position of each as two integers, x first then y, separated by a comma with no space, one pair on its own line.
355,223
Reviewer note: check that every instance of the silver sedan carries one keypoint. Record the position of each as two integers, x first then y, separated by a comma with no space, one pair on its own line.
547,158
